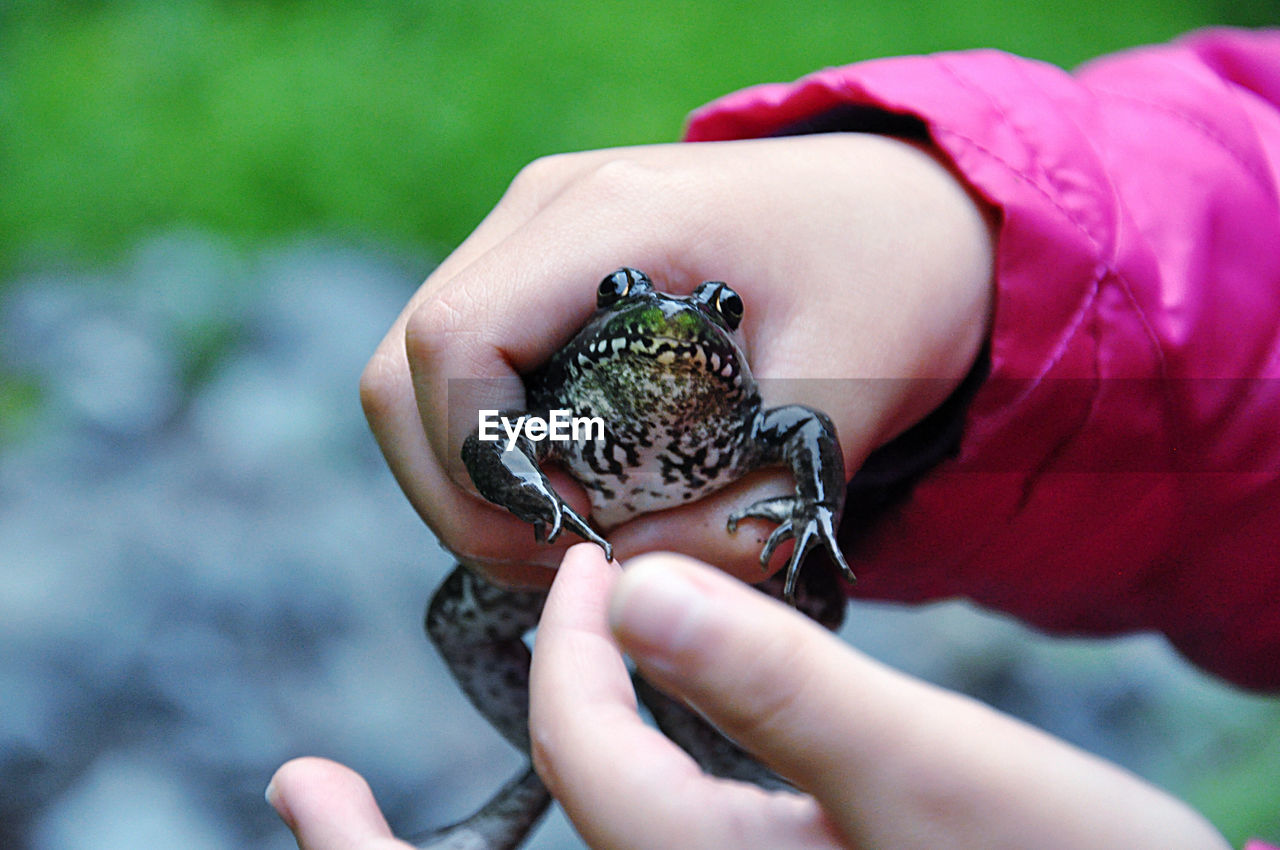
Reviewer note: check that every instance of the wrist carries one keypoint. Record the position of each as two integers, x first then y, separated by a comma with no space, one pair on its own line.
893,283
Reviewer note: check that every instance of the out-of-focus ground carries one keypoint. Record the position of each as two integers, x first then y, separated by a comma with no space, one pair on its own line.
205,569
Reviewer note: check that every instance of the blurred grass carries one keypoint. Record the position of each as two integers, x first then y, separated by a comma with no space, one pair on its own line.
402,122
1242,798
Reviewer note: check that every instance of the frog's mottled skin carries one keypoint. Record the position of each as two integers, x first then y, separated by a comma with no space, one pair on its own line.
683,418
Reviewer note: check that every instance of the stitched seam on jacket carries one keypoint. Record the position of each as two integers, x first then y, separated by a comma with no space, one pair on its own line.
1121,279
1091,294
1206,130
1106,261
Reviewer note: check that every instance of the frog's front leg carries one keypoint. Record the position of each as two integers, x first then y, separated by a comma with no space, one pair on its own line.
479,630
804,439
510,476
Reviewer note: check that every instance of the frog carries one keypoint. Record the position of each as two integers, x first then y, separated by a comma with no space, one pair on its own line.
680,417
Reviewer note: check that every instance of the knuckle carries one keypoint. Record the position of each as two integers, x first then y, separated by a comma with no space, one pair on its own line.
379,384
434,317
622,178
429,327
536,180
538,171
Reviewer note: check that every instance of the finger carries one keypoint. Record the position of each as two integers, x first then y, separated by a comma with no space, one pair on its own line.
329,807
510,309
621,782
505,310
482,535
535,186
386,385
896,762
773,682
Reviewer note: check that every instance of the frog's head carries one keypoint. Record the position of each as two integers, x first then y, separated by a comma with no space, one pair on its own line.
693,332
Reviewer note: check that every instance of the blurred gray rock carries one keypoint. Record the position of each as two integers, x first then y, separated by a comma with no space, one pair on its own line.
205,569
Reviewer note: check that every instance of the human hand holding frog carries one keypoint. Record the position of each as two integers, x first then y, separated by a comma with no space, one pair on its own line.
857,256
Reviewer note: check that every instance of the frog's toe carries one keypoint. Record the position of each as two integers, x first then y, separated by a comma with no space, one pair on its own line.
556,516
778,509
575,522
828,535
780,535
556,524
540,531
544,514
804,541
822,523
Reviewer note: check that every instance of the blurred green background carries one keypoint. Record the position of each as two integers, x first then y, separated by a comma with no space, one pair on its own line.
397,125
401,122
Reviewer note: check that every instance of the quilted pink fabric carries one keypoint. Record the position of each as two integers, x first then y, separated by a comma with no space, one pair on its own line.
1121,468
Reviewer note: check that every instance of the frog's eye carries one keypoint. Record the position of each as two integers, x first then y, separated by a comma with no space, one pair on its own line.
729,305
718,298
619,285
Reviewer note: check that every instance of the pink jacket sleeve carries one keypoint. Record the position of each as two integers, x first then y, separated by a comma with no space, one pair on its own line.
1120,468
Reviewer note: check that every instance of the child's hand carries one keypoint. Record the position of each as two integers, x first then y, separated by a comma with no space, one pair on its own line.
857,257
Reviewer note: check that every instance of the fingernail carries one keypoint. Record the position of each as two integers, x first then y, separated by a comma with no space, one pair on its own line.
273,800
656,609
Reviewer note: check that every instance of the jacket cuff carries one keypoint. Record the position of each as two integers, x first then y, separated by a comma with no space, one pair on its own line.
1137,209
999,120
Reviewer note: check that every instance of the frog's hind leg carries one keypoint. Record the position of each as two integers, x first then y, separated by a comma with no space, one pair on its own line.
478,629
500,824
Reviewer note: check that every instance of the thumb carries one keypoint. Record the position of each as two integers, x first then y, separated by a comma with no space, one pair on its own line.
329,807
894,761
776,683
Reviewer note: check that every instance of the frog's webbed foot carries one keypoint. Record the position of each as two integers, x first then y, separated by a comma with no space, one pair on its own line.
808,523
805,440
511,478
